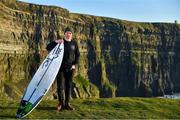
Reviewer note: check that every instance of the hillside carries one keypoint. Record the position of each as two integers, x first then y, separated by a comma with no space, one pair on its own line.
111,108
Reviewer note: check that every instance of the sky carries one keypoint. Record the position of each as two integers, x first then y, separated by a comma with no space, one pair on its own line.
131,10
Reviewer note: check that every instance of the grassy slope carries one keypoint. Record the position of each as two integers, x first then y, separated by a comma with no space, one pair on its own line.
101,108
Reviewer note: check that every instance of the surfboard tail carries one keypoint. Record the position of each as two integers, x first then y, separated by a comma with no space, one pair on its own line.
25,107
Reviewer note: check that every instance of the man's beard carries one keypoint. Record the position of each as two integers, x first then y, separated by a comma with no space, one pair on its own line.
68,39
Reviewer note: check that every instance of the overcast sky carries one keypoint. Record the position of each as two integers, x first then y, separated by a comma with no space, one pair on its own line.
132,10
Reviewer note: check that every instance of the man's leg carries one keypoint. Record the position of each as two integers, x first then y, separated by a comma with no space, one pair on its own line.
68,87
60,89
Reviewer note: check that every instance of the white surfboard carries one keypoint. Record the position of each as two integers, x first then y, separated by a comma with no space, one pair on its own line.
41,81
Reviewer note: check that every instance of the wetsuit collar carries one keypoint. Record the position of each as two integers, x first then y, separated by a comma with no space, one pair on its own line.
67,40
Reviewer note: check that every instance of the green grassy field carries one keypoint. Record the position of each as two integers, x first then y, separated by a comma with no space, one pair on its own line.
109,108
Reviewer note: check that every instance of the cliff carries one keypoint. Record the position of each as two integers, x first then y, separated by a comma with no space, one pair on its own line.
118,58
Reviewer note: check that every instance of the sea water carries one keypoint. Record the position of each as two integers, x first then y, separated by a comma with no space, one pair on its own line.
173,96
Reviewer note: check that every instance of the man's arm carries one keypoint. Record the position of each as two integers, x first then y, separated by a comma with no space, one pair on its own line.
77,56
51,45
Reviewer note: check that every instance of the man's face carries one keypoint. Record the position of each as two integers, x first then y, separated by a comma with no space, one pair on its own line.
68,35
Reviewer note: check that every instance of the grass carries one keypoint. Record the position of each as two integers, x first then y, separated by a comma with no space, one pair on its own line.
109,108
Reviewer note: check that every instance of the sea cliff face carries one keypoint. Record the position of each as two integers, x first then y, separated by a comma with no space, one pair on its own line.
118,58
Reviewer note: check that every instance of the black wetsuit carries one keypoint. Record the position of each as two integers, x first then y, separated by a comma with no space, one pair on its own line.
64,77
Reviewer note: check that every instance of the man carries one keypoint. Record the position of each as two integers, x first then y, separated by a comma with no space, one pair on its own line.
65,75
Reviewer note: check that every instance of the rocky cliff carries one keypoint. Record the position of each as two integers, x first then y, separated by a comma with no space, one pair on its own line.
118,58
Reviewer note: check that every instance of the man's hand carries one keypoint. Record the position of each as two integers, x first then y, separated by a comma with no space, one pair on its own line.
73,67
59,41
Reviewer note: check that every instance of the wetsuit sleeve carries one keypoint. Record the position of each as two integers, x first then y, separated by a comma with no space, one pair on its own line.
51,45
77,54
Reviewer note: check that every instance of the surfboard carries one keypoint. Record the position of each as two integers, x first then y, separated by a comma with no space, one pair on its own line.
41,81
